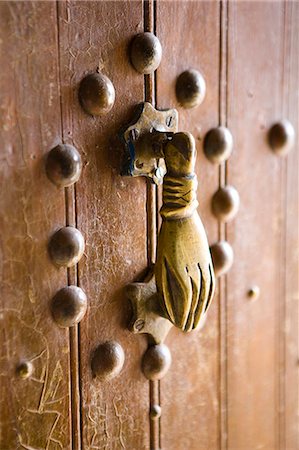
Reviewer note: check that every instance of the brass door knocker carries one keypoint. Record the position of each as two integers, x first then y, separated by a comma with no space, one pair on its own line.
180,288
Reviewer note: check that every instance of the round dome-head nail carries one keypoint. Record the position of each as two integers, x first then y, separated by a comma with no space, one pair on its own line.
69,306
107,361
66,247
190,88
222,256
281,137
24,369
145,53
96,94
218,144
225,203
156,361
63,165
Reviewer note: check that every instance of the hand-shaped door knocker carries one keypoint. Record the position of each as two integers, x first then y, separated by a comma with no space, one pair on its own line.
180,288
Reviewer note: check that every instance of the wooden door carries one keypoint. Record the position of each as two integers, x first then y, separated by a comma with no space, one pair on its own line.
234,383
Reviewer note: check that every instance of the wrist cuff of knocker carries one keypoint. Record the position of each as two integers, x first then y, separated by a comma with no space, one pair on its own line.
179,197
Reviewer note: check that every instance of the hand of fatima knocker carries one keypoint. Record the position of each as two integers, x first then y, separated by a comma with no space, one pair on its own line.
179,289
183,270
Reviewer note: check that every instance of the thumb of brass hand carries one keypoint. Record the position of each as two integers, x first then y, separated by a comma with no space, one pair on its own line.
184,271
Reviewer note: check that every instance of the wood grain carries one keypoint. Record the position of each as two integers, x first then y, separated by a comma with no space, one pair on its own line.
190,391
110,214
34,411
222,234
255,101
289,327
152,196
234,384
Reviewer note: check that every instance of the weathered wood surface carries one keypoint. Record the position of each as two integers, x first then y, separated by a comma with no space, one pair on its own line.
233,384
290,306
257,405
34,411
256,339
110,214
189,34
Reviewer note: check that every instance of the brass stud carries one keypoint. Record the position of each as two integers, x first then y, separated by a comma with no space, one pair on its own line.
254,292
218,144
107,360
63,165
145,53
24,369
222,256
96,94
66,247
281,137
190,88
155,412
69,306
225,203
156,362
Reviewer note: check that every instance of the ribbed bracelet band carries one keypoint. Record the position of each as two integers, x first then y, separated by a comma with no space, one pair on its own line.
179,197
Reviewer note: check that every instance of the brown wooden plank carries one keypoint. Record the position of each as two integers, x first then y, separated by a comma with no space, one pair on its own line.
110,213
255,46
149,11
290,325
34,411
153,195
222,281
189,34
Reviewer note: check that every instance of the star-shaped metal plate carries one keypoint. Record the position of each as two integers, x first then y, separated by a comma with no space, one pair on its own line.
143,159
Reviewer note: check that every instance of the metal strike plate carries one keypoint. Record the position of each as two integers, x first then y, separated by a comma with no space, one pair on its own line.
147,315
144,139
